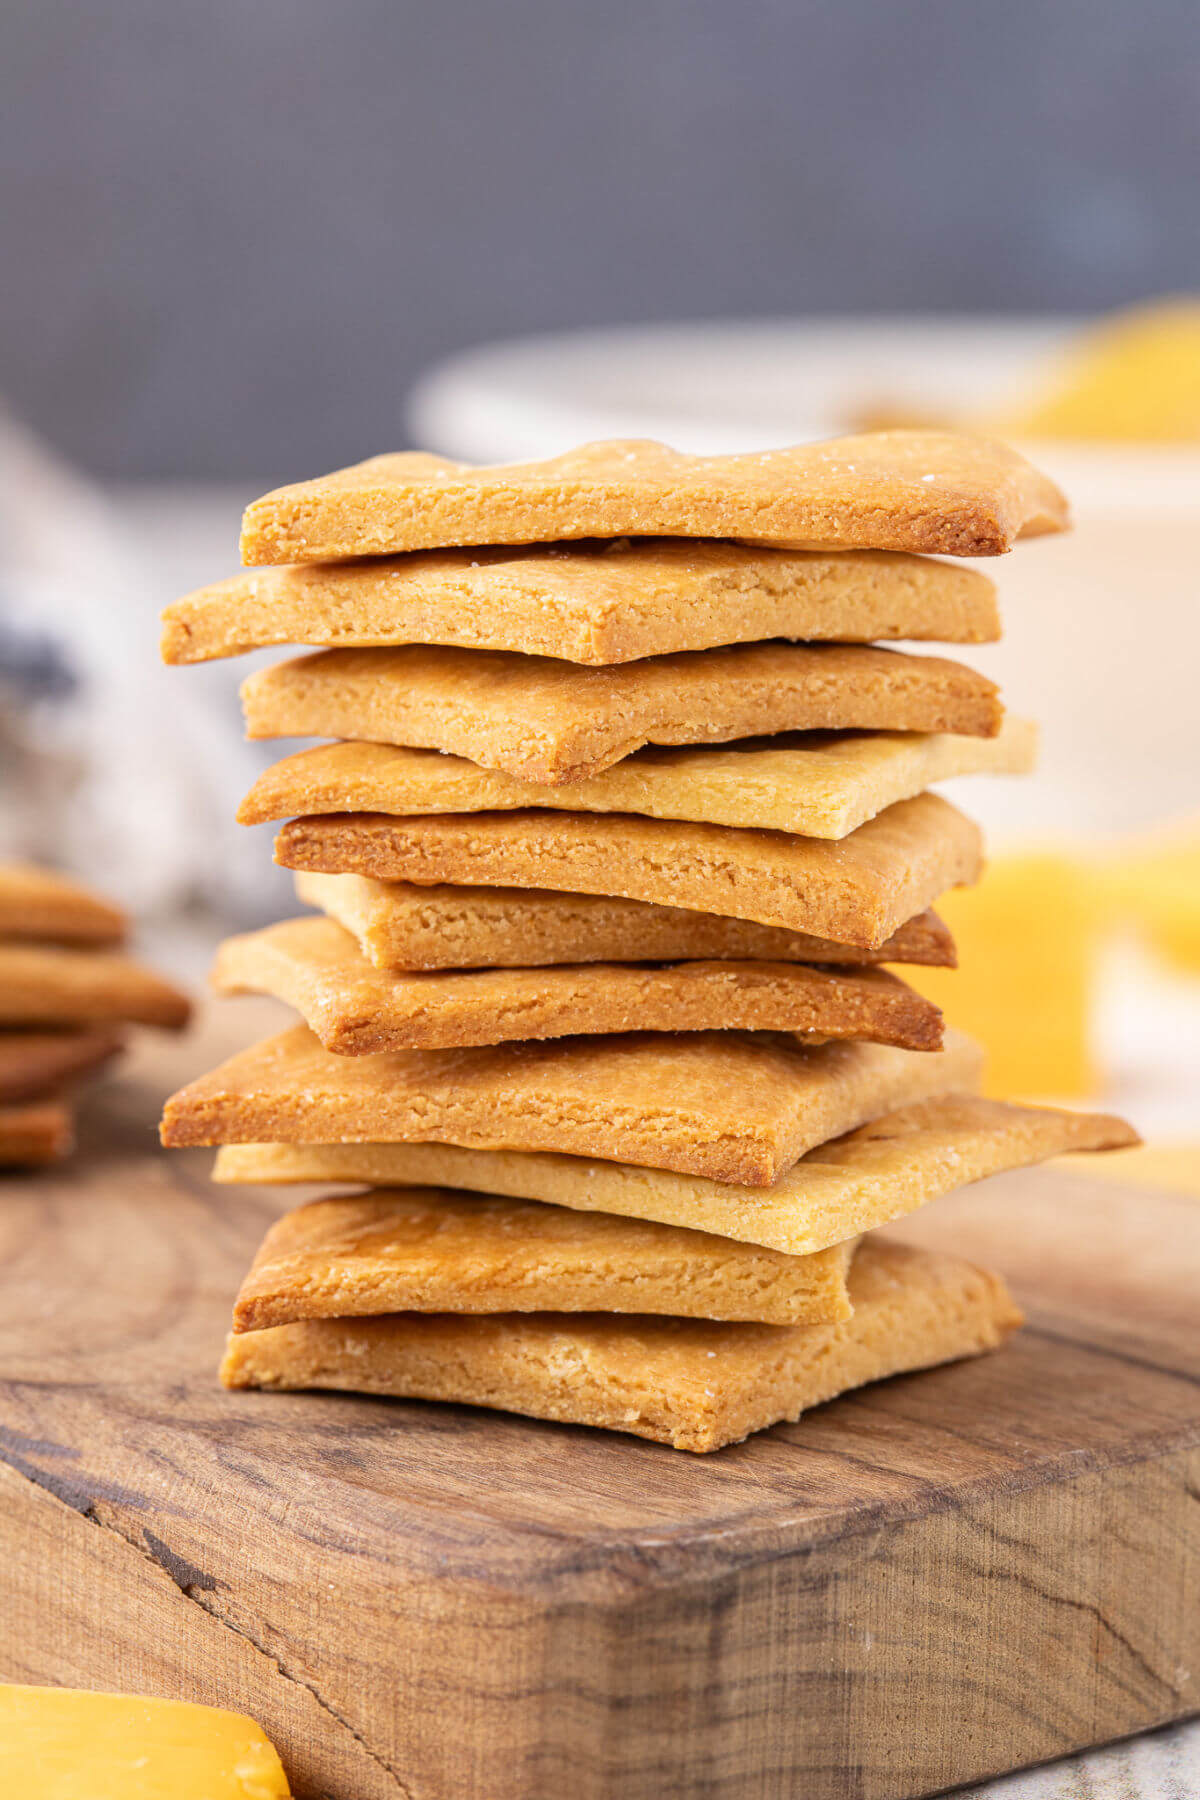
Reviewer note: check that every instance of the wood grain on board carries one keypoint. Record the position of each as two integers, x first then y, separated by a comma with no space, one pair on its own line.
926,1582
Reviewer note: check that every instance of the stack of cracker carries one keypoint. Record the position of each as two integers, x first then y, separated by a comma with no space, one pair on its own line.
66,991
624,815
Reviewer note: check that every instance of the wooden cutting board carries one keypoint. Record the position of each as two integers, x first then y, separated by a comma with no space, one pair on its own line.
941,1577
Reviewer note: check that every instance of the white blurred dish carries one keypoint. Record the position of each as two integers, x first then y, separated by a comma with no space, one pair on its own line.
1102,628
717,388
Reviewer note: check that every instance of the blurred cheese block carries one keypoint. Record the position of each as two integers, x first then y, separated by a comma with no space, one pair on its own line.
65,1744
1174,1167
1153,885
1027,939
1134,378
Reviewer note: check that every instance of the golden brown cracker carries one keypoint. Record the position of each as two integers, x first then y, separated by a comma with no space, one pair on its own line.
810,784
41,903
400,926
695,1384
730,1105
854,890
355,1009
49,984
593,604
866,1178
441,1250
33,1063
40,1132
545,721
942,492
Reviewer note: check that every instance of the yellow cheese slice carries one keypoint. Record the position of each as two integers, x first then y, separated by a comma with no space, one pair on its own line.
1133,378
67,1744
1027,940
1175,1167
1153,885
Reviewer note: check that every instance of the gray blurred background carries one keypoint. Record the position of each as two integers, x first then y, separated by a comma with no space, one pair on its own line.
235,231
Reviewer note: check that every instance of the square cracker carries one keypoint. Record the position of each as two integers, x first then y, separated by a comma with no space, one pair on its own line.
595,603
810,784
731,1105
39,903
694,1383
854,890
399,926
355,1009
839,1189
42,1132
50,985
33,1063
434,1250
545,721
887,490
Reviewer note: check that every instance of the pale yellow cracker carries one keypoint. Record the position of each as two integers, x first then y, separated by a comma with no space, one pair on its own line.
588,603
52,985
888,490
694,1383
436,1250
852,1184
810,784
400,926
730,1105
854,890
548,721
40,903
356,1009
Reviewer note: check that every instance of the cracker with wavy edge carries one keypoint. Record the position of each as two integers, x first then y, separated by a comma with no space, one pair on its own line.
932,491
